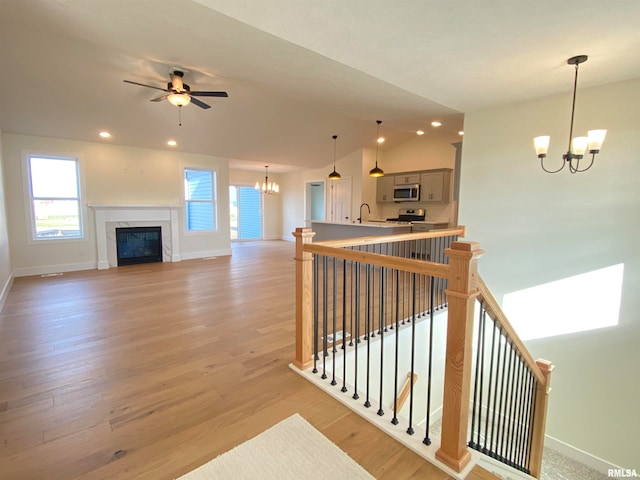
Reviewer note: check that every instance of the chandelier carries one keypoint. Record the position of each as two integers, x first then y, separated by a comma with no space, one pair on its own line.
578,146
334,175
267,187
376,171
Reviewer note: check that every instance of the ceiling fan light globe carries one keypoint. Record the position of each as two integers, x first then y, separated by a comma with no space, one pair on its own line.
179,99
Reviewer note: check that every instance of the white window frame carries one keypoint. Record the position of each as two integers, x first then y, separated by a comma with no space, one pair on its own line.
30,216
213,201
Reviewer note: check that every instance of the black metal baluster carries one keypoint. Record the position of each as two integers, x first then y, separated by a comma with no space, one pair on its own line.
334,313
345,292
489,385
367,327
530,406
479,352
511,411
492,445
325,313
518,401
315,312
355,356
501,416
484,335
427,439
508,393
410,430
521,414
382,303
394,420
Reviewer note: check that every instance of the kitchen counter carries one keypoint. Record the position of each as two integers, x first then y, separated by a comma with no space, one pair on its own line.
334,231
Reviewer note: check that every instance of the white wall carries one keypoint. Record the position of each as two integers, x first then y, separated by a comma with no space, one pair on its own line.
272,203
5,256
112,174
537,228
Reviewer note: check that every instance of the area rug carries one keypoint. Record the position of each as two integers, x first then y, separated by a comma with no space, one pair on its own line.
290,450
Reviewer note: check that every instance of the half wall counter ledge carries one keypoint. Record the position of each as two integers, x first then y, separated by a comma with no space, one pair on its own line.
110,217
334,231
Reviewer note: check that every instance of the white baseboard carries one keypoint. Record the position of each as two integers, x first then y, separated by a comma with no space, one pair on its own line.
206,254
48,269
5,291
578,455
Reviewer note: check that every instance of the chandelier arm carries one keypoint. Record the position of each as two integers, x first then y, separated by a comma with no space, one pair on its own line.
593,157
551,171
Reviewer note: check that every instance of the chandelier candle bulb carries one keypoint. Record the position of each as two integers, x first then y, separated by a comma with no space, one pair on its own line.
596,139
579,146
541,145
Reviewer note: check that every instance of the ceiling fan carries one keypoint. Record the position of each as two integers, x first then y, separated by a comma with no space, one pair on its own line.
178,93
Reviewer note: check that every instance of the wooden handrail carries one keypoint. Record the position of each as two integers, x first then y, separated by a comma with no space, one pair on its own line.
492,307
399,237
405,264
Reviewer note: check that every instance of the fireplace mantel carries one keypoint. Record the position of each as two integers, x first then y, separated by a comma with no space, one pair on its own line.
107,216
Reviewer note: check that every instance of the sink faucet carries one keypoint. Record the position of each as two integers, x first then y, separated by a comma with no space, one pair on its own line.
368,208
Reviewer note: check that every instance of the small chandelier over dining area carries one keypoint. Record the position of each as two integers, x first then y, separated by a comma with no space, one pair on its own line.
267,187
578,146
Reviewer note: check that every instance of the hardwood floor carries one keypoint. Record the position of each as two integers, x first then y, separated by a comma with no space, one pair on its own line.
146,372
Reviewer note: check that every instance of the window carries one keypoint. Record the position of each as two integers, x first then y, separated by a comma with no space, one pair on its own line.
245,204
200,200
54,188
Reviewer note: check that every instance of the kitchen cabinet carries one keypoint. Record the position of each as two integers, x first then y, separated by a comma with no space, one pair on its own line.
384,189
436,186
407,179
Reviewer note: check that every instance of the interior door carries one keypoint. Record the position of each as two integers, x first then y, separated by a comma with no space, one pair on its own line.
340,200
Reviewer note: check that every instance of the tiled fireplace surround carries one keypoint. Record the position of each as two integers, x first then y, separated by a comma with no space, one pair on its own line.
110,217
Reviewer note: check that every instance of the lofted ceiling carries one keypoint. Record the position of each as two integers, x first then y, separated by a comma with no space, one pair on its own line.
297,71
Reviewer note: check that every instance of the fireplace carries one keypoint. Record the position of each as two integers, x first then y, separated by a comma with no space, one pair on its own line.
138,245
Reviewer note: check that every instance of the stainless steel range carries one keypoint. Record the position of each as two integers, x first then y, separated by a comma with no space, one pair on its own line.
408,215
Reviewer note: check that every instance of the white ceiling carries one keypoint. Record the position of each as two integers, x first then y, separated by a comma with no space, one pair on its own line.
297,71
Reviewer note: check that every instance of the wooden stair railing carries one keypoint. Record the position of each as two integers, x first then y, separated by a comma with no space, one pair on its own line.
464,288
540,368
406,387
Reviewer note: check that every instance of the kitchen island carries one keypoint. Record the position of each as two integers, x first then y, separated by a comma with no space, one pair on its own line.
334,231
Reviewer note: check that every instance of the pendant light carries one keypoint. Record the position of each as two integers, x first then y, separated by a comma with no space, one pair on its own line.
578,146
267,187
334,175
377,171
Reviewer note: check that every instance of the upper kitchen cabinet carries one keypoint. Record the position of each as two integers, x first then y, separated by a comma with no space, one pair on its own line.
384,189
436,185
407,179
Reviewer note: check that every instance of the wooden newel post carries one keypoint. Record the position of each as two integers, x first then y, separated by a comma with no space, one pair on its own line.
540,417
304,299
462,292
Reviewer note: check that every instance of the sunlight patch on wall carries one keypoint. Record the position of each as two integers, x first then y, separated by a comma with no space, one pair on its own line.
584,302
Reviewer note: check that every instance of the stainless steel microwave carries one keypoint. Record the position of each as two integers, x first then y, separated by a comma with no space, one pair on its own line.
406,193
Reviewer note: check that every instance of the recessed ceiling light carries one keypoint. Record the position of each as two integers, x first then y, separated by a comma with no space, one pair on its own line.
436,124
172,143
381,140
105,134
460,133
420,132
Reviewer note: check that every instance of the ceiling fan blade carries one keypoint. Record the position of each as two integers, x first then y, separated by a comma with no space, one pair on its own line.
209,94
199,103
143,85
161,97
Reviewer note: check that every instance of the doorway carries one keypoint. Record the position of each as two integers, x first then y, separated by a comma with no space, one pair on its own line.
340,200
314,202
245,212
